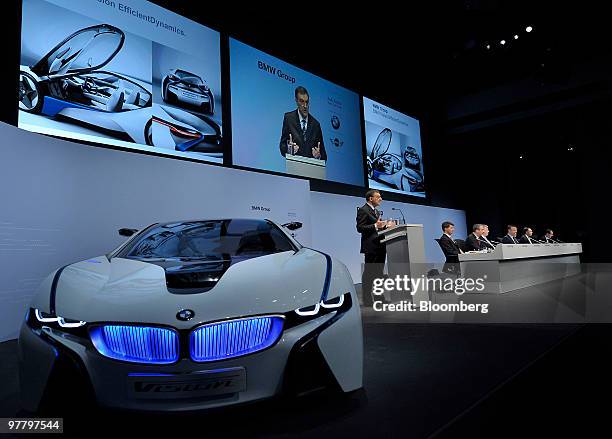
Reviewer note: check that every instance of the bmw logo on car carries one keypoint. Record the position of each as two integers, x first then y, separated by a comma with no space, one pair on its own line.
185,315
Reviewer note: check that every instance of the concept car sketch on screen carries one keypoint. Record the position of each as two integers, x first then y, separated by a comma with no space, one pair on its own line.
187,89
69,83
190,315
399,172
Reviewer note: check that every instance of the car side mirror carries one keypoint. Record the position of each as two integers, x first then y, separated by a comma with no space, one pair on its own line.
127,232
293,225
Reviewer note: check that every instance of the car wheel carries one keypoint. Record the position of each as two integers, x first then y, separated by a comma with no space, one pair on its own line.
30,98
172,99
211,104
148,134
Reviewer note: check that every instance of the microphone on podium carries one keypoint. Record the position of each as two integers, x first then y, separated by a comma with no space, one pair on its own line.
401,213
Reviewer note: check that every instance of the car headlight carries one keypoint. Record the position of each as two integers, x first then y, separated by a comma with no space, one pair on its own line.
38,319
337,304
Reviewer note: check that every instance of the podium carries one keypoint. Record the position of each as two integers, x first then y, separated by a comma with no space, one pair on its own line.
305,166
405,250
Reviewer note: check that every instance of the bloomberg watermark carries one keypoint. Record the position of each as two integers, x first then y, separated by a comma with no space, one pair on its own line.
409,285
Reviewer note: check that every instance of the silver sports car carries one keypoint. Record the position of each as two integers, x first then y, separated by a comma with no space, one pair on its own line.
191,315
180,87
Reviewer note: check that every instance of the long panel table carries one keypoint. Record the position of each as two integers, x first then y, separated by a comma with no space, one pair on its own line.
511,267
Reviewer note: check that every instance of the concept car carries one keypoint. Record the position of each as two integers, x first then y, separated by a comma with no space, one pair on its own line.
192,315
180,87
68,83
399,172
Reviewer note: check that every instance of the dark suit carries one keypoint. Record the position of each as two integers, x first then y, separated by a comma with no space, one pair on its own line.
472,242
546,240
508,240
450,248
375,252
291,125
525,240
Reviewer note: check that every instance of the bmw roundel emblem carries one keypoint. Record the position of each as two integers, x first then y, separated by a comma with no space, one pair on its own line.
185,314
335,122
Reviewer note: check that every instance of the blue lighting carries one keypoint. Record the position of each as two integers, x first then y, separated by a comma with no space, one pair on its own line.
137,344
234,338
52,106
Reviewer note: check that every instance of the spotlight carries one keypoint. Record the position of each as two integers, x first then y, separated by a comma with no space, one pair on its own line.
502,42
488,46
516,37
528,29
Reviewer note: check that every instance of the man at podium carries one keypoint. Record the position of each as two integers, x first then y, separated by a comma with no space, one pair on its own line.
301,134
375,253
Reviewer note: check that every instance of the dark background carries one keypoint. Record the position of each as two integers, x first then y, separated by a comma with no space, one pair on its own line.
512,134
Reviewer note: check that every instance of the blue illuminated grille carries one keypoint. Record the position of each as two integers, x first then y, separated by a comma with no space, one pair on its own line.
218,341
139,344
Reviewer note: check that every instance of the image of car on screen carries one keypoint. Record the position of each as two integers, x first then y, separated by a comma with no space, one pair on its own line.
191,315
187,89
402,172
69,81
68,84
184,131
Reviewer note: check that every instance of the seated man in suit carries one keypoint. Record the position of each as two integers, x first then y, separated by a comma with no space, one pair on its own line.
472,242
548,237
484,240
449,247
301,133
510,237
375,253
527,236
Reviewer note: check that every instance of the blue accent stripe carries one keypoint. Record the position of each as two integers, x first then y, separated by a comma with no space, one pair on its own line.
136,344
234,338
186,145
327,274
52,106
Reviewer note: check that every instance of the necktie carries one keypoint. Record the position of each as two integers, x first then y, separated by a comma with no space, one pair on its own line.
304,129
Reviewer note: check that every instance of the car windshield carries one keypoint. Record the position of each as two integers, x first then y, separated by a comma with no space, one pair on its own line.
188,77
208,240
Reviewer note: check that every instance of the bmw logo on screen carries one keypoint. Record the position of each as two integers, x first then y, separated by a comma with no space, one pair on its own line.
335,122
185,314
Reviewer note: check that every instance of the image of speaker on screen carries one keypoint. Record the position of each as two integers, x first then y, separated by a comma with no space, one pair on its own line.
301,134
403,172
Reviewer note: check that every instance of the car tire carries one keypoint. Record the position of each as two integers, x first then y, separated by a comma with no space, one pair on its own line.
30,96
148,133
211,104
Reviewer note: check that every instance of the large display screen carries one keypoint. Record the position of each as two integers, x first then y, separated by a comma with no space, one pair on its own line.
128,73
287,120
394,154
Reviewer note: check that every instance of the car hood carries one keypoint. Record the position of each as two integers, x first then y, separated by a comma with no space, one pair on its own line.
125,290
85,50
